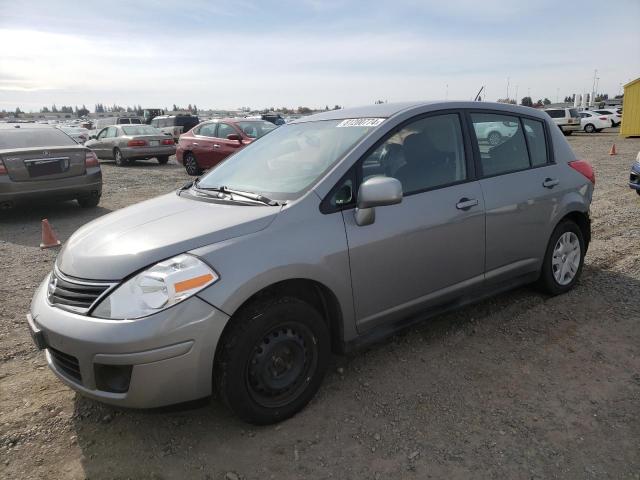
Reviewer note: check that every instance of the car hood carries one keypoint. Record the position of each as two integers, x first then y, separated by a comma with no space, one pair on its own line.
123,242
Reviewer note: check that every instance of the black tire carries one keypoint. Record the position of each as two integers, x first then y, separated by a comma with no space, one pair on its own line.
567,133
163,160
547,281
272,359
191,164
119,158
89,202
638,192
589,128
494,138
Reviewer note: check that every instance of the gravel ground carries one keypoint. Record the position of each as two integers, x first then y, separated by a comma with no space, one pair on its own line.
521,386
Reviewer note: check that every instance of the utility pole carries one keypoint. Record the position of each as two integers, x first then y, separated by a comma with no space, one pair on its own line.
507,88
593,87
516,99
557,95
446,95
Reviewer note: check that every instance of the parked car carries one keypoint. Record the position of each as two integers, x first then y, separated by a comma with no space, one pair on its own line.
495,133
79,134
127,143
567,119
175,125
614,115
634,176
42,162
275,118
105,122
593,122
325,235
211,142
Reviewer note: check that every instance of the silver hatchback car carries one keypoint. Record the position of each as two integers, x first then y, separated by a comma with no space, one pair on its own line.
324,235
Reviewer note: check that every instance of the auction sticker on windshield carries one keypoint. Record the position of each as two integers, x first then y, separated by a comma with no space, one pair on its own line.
361,122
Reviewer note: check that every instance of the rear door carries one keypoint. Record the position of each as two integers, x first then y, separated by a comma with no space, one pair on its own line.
521,188
110,141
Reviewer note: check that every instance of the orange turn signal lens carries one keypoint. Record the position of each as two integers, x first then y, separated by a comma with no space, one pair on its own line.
193,283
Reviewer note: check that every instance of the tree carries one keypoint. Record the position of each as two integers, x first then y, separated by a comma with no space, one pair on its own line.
337,107
18,111
539,103
44,110
175,107
304,110
83,112
54,109
507,100
527,102
379,102
546,101
195,109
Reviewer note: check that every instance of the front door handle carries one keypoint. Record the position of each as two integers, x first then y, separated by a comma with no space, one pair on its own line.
215,145
466,203
194,144
550,182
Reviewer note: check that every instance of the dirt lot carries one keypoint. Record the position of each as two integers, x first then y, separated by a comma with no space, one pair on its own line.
522,386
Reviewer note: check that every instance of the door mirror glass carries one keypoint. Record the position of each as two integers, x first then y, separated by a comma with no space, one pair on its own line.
379,191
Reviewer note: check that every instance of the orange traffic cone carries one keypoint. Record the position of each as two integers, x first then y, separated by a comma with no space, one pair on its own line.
49,238
613,150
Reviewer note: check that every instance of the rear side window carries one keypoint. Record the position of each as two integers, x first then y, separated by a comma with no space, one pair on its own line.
555,113
207,130
534,130
507,155
32,137
573,113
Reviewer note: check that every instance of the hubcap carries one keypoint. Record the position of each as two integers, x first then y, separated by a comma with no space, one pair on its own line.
494,138
191,165
281,365
566,258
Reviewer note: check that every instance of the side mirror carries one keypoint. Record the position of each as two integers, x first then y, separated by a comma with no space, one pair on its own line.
93,137
376,192
234,136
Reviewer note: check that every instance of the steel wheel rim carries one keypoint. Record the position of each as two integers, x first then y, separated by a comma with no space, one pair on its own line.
281,365
118,157
565,260
191,164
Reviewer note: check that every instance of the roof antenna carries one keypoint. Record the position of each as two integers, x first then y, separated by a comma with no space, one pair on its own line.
478,94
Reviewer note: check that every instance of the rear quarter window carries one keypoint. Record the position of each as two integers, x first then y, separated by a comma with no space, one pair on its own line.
555,113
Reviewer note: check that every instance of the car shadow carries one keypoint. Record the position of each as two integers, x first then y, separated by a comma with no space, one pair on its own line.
25,220
203,440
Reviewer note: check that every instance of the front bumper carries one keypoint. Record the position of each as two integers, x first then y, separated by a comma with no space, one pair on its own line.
168,356
148,152
634,177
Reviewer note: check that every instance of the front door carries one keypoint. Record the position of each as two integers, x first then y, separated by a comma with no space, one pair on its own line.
429,248
202,144
226,147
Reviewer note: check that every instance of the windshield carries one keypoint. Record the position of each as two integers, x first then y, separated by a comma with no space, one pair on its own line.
255,129
285,163
141,130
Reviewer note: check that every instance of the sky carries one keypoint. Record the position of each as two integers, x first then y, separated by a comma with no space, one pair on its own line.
226,54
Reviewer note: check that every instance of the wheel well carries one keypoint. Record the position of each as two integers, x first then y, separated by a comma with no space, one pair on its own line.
315,294
582,220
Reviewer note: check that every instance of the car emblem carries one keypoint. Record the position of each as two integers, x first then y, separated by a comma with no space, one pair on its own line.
53,284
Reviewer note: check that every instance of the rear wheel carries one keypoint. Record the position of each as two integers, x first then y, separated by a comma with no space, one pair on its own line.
563,259
272,359
589,128
162,160
119,158
89,202
191,165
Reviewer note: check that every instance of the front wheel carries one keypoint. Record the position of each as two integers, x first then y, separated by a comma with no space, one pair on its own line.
191,164
563,259
272,359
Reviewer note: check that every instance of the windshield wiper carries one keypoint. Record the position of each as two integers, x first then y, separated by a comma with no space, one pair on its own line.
250,195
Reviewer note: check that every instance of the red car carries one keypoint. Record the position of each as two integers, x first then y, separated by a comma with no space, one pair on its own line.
207,144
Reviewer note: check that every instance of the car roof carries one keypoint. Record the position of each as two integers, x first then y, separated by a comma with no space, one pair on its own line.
235,120
26,126
387,110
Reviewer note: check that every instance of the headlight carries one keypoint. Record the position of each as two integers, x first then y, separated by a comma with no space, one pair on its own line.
161,286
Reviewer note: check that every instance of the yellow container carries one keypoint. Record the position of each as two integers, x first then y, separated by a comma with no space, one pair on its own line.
630,126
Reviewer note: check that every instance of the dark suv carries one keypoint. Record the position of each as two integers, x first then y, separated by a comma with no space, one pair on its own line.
175,125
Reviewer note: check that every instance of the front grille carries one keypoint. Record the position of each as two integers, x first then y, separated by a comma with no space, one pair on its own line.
68,364
73,294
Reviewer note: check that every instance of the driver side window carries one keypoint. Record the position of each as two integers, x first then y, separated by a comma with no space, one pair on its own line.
425,154
103,133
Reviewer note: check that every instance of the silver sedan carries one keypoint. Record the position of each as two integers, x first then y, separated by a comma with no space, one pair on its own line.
127,143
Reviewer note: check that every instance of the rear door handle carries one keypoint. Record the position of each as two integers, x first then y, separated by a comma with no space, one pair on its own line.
466,203
194,144
550,182
215,145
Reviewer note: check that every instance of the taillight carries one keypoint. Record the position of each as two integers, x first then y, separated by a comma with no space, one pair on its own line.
585,169
3,169
137,143
91,160
168,141
603,118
